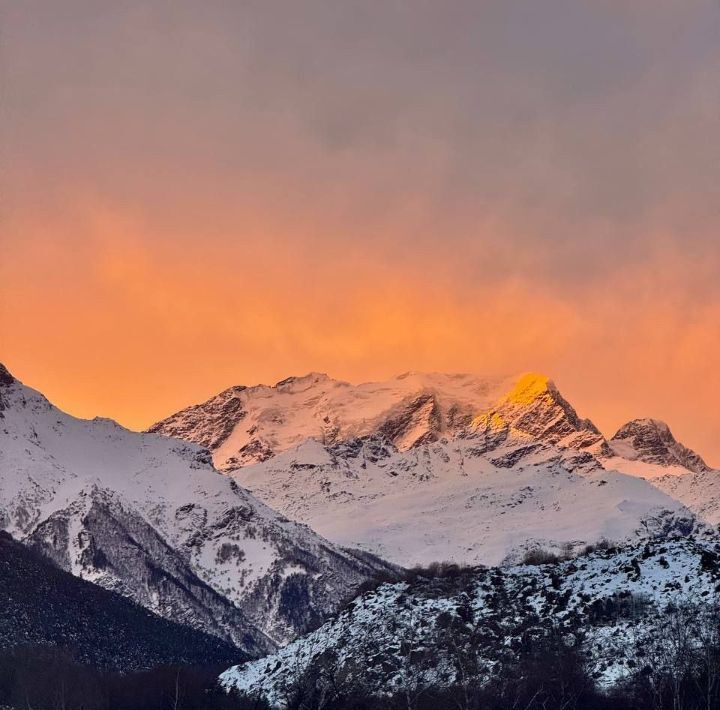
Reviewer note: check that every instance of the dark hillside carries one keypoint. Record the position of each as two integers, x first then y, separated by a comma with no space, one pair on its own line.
42,604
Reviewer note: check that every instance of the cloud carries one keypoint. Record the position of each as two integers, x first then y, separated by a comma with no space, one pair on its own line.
199,194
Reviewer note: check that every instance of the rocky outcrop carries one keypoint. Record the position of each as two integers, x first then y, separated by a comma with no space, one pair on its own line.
535,409
6,380
651,441
413,423
208,424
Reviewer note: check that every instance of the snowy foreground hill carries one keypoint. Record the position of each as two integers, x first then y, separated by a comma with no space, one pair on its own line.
150,518
449,467
618,606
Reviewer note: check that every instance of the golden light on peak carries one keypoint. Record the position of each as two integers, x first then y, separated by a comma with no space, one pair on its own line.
529,388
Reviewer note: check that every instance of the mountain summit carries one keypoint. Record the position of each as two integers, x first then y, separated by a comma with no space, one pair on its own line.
534,408
246,425
651,441
427,465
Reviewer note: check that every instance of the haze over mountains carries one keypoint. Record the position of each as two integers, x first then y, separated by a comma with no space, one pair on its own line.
453,467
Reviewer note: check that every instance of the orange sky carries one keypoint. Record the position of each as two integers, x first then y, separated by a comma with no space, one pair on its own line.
195,199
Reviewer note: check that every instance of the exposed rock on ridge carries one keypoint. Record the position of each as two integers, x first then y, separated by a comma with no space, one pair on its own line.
149,517
652,441
534,408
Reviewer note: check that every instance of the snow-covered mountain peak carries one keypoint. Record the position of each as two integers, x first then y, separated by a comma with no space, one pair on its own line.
247,425
432,466
534,409
148,516
651,441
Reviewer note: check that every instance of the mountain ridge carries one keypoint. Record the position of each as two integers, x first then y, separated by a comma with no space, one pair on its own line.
148,516
475,459
452,401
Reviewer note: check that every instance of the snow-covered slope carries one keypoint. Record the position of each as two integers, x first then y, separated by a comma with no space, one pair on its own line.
406,636
646,448
450,502
149,517
244,425
428,467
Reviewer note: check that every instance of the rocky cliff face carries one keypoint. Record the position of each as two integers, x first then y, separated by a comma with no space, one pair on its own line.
149,517
651,441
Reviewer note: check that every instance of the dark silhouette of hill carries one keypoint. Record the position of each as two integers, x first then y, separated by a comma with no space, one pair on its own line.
42,604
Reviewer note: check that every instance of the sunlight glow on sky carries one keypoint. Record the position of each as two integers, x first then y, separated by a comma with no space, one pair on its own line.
204,194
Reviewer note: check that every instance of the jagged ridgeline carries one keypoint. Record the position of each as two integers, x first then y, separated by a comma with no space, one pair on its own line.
148,517
449,467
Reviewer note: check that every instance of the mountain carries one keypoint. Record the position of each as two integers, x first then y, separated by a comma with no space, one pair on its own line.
429,466
42,604
434,630
535,410
652,442
245,425
149,517
647,448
